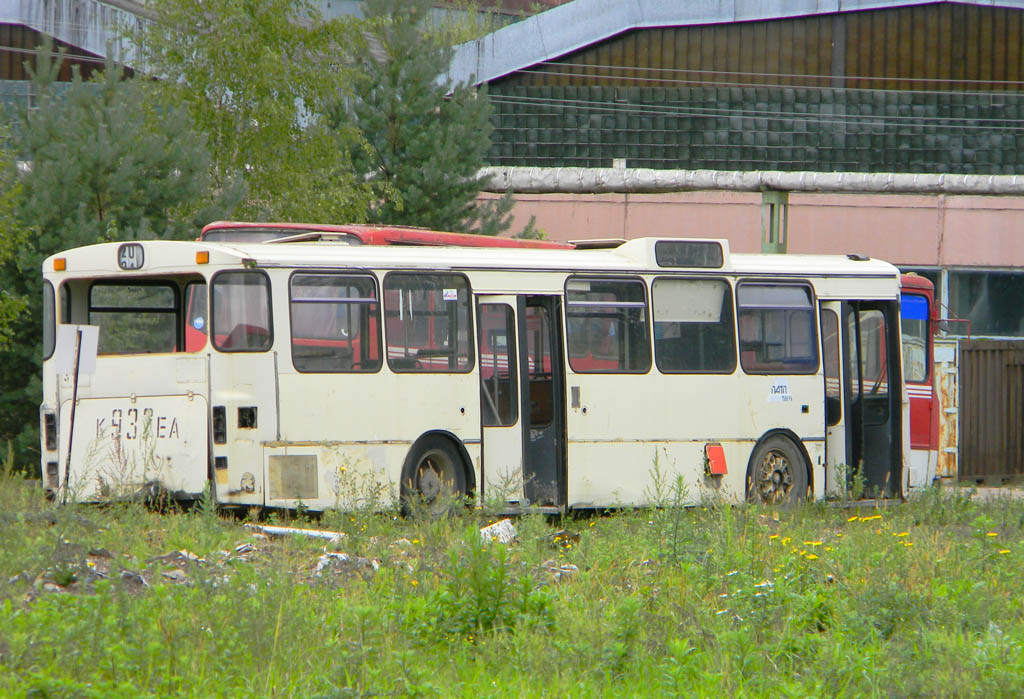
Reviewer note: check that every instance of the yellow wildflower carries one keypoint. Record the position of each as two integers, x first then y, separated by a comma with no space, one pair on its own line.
853,519
811,557
812,543
992,534
774,536
901,535
1004,551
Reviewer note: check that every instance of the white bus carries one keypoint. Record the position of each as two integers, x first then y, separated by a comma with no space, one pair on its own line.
297,372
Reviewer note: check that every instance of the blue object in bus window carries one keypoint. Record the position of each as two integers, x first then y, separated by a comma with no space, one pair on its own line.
198,323
914,307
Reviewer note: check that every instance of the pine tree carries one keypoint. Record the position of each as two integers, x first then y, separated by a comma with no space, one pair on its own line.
426,139
12,304
105,162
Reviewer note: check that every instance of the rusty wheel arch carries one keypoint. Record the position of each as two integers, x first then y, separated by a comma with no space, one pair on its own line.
460,448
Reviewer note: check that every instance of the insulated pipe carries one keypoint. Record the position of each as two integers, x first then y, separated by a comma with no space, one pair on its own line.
574,180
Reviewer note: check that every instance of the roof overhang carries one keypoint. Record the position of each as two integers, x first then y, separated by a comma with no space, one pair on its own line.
581,23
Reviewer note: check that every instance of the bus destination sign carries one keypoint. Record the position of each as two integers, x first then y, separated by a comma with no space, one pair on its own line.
130,256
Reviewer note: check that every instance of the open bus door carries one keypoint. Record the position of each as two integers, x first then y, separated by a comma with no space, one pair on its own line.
863,397
522,399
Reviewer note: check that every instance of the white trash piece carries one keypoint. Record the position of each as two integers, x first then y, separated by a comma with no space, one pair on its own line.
503,531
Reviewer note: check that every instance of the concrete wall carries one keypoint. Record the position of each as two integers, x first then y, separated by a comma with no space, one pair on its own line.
909,230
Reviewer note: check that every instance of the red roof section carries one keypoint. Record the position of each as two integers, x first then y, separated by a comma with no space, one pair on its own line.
376,235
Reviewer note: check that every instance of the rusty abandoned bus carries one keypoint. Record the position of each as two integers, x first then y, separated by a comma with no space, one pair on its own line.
302,370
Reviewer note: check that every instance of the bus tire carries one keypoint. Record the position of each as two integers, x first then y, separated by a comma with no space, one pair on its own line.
777,473
433,478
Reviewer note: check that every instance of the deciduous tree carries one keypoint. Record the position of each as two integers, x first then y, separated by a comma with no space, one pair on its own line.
256,78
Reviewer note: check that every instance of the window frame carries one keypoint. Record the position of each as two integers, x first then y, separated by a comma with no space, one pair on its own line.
470,320
927,335
732,325
648,325
49,320
813,341
213,311
511,357
361,274
174,310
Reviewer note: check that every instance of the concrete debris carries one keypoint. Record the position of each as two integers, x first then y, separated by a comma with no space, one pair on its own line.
177,558
345,565
560,572
176,575
130,577
502,531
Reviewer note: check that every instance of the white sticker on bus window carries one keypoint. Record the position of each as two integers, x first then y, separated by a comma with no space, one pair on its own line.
779,392
451,294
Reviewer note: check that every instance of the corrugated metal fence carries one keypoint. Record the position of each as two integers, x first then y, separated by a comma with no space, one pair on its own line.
991,409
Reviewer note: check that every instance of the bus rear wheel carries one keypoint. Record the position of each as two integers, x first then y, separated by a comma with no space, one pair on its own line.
777,473
434,481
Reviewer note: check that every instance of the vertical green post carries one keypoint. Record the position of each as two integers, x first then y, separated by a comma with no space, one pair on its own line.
774,221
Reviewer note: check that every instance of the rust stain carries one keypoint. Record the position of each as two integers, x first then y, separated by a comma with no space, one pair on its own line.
947,386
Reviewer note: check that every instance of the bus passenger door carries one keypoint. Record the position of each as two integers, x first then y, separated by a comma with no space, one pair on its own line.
878,403
863,396
522,403
501,426
543,386
836,401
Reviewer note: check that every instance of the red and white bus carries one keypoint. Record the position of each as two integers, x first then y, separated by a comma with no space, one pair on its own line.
917,316
306,369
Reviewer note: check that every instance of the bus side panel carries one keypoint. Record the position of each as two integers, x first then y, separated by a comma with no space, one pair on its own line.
792,403
360,427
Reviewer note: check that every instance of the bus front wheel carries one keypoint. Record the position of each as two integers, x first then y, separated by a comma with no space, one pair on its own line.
433,480
777,473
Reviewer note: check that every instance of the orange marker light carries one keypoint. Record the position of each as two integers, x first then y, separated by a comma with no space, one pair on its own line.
60,264
203,257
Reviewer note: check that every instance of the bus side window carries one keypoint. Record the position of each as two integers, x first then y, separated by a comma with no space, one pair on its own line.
914,315
195,316
776,324
49,320
335,322
606,324
427,322
693,328
241,311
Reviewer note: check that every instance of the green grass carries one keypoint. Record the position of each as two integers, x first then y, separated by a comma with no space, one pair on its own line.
915,599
